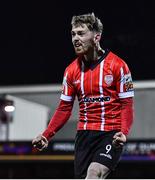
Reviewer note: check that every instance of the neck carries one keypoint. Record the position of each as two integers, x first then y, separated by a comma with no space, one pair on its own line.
94,54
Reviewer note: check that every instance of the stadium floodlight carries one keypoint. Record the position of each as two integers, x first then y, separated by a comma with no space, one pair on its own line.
6,117
9,108
6,109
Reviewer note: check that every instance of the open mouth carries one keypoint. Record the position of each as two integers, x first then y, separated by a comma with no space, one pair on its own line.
77,44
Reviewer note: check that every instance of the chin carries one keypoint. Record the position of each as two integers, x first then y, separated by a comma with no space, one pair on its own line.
79,53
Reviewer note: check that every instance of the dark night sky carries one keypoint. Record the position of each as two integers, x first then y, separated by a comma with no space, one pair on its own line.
35,41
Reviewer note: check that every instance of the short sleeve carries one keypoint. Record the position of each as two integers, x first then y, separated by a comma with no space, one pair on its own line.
124,82
68,91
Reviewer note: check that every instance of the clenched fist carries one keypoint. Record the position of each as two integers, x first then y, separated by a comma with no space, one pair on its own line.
119,139
40,142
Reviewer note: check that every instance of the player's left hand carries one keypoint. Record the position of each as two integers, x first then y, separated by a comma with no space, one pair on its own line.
119,139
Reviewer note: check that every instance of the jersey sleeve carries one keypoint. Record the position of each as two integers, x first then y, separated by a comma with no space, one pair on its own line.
59,118
68,90
124,82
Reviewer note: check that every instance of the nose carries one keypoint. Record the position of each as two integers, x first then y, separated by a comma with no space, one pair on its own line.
75,38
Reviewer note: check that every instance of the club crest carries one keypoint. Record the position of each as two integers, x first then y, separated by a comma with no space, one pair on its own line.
108,79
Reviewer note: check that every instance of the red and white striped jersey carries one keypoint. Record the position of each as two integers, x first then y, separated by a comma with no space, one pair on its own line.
99,87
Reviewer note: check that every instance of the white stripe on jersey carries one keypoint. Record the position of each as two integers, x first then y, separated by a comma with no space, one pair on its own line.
126,94
101,94
66,98
66,85
83,95
122,80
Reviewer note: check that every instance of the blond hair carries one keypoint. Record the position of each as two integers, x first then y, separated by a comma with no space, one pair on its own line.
93,23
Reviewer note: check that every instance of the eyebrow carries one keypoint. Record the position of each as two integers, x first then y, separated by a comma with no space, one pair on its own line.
79,31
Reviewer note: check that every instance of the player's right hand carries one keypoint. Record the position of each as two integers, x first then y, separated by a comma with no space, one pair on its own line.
40,142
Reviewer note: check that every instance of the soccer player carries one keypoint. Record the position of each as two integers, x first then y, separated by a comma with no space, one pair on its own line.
103,85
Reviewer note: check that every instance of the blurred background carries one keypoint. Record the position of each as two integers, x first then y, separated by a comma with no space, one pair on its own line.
35,48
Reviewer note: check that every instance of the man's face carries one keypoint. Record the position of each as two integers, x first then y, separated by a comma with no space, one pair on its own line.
82,39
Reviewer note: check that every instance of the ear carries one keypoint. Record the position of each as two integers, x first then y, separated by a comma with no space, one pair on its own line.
97,37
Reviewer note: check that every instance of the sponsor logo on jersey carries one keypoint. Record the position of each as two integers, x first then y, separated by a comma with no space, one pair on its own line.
96,99
106,155
127,78
108,79
76,81
128,82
